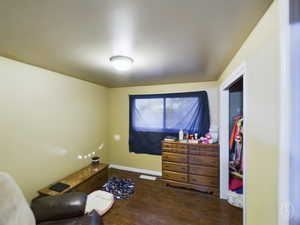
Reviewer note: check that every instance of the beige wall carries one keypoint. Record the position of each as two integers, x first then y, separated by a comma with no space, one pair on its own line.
261,54
46,120
119,120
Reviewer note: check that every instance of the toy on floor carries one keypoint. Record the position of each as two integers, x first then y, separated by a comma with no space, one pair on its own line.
121,188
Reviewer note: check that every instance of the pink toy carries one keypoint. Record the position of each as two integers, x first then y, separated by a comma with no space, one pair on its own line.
207,139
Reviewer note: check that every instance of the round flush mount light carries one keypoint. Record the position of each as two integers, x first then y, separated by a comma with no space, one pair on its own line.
121,63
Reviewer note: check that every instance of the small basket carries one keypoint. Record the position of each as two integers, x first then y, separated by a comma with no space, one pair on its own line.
95,160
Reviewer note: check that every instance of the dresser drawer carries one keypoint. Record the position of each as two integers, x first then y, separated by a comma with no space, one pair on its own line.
175,148
204,147
202,180
204,153
176,167
168,145
203,170
181,177
174,145
204,160
182,146
206,150
174,157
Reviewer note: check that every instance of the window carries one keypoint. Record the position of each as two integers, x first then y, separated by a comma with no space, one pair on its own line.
152,117
164,114
180,113
149,114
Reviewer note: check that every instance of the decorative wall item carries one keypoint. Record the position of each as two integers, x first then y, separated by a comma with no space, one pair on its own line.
92,156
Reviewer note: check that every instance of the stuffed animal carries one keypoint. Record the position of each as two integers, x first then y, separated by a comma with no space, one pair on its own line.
207,139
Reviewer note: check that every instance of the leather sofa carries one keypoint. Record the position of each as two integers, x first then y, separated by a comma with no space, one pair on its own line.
66,209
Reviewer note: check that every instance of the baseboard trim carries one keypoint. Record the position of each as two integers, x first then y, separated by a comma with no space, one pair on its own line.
136,170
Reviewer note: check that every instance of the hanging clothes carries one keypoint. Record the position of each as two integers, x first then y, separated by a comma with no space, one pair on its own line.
236,146
235,131
236,155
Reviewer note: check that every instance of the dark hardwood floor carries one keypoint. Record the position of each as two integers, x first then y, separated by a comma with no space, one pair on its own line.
156,204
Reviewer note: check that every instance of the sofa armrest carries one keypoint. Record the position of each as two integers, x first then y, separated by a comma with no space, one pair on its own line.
59,207
92,218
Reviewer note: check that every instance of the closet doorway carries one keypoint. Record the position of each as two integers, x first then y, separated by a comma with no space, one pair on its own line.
232,138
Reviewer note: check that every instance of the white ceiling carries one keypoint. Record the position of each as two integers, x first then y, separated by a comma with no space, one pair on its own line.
170,40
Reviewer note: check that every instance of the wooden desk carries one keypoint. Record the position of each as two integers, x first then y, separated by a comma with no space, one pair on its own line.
85,180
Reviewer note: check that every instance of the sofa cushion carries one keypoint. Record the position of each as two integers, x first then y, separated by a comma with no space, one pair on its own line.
59,207
92,218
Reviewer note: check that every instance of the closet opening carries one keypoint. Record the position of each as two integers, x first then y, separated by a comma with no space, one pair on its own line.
233,149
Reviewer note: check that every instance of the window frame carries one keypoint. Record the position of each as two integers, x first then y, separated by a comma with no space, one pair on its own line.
164,127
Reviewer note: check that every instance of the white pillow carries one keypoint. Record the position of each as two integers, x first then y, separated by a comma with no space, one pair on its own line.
14,209
101,201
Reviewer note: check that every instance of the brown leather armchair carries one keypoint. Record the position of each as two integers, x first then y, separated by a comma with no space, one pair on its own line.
66,209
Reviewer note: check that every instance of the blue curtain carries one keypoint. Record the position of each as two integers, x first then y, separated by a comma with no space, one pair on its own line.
153,117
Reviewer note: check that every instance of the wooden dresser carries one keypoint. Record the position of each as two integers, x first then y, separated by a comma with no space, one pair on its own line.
85,180
194,166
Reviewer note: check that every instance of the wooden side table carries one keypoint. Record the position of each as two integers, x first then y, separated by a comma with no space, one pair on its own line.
86,180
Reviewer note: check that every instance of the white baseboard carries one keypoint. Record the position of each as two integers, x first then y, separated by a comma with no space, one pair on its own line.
136,170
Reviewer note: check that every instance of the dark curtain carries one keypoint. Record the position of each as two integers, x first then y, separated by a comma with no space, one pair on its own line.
153,117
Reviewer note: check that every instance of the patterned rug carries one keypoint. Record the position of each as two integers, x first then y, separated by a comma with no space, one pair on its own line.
121,188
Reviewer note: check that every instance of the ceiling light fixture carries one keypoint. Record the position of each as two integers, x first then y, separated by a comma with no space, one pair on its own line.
121,63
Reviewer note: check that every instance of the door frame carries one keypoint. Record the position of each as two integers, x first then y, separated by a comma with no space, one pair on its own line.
241,71
286,110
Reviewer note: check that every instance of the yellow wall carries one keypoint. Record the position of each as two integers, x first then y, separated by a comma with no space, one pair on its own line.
261,54
119,120
46,120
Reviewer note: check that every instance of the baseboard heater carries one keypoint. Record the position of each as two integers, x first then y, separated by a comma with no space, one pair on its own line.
147,177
